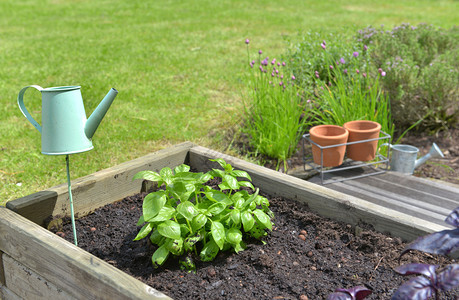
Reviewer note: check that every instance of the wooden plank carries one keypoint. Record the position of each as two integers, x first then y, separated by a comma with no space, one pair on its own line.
76,271
2,270
324,201
27,284
96,190
6,294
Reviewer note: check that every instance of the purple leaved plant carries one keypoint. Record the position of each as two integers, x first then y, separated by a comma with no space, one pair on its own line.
355,293
432,281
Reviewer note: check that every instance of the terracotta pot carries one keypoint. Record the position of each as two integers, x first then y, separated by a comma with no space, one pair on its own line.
328,135
358,131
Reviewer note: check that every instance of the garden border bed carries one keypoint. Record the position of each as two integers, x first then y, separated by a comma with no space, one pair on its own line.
36,263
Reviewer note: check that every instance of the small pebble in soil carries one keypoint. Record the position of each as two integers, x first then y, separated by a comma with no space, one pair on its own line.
309,254
61,234
211,272
303,297
313,268
303,232
93,229
302,237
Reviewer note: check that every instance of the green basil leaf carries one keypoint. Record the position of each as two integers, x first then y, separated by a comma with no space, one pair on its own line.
218,233
181,168
251,198
191,241
140,221
231,181
217,196
147,175
187,210
184,230
263,218
144,231
239,202
224,186
198,222
152,204
160,256
216,208
236,217
175,246
164,214
243,174
205,177
228,168
234,236
220,161
209,251
166,175
246,184
170,229
247,220
156,238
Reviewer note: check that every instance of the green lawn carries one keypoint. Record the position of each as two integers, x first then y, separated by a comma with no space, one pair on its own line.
176,64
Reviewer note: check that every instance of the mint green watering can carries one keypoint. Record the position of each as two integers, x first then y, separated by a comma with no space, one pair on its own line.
64,128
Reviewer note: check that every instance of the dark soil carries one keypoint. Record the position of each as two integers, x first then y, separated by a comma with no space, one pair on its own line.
305,257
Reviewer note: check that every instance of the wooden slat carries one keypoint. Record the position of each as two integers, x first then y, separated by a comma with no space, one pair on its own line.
2,270
418,197
80,274
324,201
6,294
26,284
96,190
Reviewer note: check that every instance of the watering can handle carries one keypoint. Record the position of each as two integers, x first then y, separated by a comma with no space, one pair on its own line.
24,110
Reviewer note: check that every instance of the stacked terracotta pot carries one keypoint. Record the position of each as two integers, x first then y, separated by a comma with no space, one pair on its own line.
338,140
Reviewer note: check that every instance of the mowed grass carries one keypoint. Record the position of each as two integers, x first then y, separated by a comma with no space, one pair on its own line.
177,65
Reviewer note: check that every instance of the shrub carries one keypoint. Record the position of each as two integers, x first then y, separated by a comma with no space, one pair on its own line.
275,109
422,65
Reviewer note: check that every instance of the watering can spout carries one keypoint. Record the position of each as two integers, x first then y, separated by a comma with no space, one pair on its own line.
434,152
96,117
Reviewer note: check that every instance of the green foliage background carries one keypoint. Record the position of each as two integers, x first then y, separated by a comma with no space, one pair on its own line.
177,65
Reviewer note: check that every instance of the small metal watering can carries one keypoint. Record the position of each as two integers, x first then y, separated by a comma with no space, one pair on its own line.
404,160
65,129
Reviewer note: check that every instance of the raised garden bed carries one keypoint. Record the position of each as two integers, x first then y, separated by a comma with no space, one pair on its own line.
36,263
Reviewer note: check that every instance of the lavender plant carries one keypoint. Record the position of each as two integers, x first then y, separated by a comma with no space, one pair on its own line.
422,66
188,216
275,109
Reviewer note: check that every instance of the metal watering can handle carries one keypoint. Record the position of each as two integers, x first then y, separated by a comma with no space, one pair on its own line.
24,110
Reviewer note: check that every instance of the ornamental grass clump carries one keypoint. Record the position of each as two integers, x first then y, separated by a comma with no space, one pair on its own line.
276,112
351,93
189,219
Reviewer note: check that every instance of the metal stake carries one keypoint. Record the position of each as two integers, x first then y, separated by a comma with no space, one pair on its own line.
71,200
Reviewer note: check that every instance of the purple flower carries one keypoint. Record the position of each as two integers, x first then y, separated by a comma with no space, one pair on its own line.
283,63
331,67
345,71
355,54
277,71
261,68
364,74
323,46
293,77
365,47
323,42
247,41
309,101
278,64
273,61
357,71
379,70
282,76
260,52
265,61
281,83
383,73
251,65
342,60
272,74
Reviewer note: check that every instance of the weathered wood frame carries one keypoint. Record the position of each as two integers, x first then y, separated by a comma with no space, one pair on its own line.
36,263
